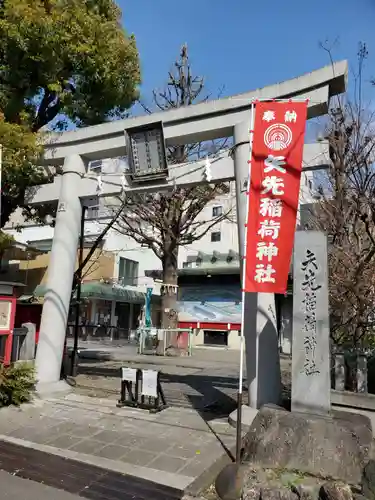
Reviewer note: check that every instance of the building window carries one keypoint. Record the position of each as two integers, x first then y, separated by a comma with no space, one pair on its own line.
92,207
4,265
216,236
128,272
217,211
215,338
95,166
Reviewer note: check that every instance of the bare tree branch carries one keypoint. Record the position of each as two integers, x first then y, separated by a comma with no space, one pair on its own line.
347,214
97,243
167,220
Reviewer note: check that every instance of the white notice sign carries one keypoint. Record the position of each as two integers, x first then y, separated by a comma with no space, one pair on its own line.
61,207
129,374
150,383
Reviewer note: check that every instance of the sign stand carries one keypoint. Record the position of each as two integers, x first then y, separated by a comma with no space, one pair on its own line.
154,399
130,380
147,394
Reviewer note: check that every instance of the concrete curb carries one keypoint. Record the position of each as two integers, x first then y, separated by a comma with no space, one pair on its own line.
177,481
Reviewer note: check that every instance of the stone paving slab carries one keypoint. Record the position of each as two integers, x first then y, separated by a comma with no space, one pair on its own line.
176,441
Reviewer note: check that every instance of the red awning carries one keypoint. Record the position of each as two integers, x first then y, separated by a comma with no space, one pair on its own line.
209,326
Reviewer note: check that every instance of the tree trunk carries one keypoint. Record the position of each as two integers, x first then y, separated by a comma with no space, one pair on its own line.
169,299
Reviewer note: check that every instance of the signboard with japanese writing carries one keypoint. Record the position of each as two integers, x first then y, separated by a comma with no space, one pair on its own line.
129,374
150,383
276,166
311,387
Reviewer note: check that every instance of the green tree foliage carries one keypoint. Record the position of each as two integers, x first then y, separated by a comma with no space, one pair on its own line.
17,384
58,59
20,153
65,56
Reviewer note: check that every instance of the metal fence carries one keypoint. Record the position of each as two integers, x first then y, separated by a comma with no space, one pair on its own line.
102,333
165,342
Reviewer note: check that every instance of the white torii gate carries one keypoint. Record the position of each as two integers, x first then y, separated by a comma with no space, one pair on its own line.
211,120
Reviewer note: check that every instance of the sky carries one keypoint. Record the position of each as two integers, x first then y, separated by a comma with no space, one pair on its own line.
240,45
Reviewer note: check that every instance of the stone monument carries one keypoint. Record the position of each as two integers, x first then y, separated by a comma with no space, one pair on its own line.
27,351
311,386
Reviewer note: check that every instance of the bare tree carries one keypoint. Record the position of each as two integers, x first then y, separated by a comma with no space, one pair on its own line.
80,271
93,264
347,214
167,220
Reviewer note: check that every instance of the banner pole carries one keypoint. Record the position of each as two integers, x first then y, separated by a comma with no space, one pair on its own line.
242,334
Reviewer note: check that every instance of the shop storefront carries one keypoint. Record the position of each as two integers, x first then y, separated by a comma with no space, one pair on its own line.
107,311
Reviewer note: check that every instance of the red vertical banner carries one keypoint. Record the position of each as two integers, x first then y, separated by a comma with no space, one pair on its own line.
276,165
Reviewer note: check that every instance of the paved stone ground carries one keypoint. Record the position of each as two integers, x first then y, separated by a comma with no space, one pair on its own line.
202,356
172,447
201,388
208,380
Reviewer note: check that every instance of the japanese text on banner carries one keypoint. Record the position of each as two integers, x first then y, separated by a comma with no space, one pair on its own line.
276,166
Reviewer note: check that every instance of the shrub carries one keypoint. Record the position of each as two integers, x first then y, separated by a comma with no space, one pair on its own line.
17,384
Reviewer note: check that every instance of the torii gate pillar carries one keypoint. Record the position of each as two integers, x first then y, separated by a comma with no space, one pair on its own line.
259,318
60,278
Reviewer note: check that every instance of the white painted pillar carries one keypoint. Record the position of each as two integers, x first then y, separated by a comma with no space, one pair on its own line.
260,327
93,312
131,312
60,276
112,321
